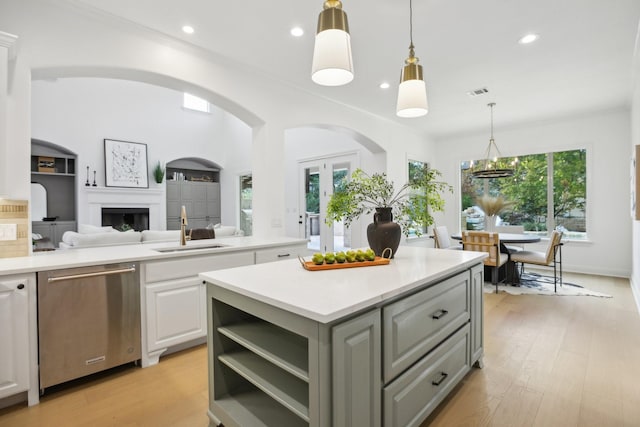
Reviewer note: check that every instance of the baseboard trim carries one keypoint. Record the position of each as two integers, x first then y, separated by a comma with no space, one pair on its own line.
636,293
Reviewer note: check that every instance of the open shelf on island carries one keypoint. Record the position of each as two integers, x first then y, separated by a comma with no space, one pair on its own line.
280,347
289,391
254,408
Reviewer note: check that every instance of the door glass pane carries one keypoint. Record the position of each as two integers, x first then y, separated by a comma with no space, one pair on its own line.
312,207
246,204
341,235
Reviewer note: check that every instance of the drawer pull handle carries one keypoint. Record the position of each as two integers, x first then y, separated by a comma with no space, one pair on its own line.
439,314
443,376
283,255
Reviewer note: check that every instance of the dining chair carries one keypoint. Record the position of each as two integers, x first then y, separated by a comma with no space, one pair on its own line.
484,241
441,238
552,256
514,229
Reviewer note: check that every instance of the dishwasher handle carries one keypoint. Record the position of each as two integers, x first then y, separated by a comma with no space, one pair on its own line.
131,269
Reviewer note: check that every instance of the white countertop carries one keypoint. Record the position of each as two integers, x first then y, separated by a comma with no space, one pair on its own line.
81,257
328,295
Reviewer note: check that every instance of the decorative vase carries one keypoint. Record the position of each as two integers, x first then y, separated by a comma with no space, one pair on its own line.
490,223
383,233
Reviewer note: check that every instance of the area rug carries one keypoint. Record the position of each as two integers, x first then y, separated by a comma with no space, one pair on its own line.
538,284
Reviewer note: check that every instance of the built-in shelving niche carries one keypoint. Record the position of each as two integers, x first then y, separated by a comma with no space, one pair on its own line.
261,370
59,182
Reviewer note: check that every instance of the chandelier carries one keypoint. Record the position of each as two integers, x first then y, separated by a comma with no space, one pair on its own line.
492,165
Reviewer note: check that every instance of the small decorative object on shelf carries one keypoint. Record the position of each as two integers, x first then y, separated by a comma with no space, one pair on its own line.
94,179
87,183
46,164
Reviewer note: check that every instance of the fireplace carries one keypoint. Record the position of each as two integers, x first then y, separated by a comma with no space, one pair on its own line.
126,218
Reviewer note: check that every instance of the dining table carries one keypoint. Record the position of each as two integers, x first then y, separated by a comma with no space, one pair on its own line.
515,238
511,273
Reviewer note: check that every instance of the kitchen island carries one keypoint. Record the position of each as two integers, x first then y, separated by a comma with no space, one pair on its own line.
368,346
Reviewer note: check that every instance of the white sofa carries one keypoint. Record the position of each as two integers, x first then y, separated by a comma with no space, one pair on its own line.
92,236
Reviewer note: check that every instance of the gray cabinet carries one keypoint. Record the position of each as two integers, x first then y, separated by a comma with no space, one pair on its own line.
411,397
477,310
200,199
356,371
53,229
413,326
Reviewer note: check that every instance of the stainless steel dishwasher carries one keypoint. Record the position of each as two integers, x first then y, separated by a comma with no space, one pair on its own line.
88,320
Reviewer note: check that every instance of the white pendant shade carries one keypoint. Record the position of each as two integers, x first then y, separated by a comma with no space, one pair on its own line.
332,61
412,99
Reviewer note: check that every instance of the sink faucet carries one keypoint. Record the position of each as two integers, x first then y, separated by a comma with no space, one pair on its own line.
183,225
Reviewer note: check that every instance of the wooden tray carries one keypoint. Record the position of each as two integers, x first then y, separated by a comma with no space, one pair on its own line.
309,265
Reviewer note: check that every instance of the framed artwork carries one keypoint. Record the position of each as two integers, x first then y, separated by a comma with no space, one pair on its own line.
125,164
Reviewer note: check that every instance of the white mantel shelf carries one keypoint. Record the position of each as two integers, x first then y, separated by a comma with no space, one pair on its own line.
125,197
124,190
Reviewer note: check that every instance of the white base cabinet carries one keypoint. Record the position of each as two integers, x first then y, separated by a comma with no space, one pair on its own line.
16,322
174,298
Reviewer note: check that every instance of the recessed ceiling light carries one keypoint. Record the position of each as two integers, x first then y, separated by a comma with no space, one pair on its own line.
297,31
384,85
188,29
529,38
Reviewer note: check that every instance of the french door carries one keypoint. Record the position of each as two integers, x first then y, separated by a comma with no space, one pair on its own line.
319,178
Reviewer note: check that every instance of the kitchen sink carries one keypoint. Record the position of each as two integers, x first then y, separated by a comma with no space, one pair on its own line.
188,248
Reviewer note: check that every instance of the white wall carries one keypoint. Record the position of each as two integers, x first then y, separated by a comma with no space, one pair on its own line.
606,137
78,113
57,39
635,140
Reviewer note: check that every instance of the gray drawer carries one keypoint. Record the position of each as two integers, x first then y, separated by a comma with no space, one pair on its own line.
413,326
410,398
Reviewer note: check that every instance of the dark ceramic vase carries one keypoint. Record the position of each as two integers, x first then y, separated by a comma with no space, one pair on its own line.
383,233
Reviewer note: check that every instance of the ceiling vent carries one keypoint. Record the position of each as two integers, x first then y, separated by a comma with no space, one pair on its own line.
478,92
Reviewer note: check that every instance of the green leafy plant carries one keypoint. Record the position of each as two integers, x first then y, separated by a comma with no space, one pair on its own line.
158,172
411,205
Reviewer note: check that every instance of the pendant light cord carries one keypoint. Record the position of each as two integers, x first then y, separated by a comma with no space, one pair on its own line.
491,106
411,23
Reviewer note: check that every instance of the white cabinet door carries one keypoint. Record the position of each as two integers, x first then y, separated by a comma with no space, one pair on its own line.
14,337
175,312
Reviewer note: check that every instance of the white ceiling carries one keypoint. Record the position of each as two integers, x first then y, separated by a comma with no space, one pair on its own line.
581,63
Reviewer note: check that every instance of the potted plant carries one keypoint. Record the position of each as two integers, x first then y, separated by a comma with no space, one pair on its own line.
158,172
411,205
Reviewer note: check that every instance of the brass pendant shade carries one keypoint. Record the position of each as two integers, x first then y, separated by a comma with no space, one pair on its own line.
332,59
412,92
492,165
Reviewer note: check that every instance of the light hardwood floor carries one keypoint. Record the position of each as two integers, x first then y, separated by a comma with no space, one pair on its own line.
550,361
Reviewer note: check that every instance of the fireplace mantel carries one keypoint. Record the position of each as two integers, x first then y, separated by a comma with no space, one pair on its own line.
115,197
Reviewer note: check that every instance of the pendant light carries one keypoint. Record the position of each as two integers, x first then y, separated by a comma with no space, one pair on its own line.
332,61
492,166
412,92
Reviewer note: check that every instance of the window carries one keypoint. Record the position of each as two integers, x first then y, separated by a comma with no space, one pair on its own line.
416,169
246,204
192,102
547,190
